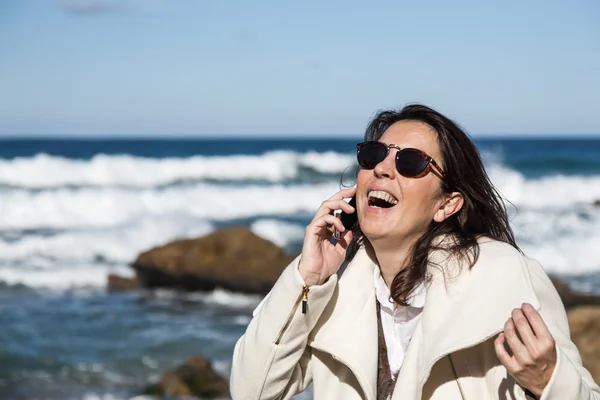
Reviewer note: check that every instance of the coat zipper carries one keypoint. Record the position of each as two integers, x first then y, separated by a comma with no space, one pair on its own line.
303,297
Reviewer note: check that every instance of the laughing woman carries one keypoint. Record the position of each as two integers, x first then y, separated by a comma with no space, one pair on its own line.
427,296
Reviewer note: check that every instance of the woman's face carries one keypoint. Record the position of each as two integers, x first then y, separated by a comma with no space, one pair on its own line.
418,199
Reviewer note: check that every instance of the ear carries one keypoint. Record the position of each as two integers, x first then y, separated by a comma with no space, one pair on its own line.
452,204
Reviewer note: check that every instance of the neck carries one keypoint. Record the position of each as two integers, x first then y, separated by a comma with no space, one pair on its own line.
391,258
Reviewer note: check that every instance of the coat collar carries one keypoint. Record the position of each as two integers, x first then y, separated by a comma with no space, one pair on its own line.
463,307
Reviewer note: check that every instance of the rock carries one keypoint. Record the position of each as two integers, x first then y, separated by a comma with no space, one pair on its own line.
234,259
118,283
194,378
573,299
597,203
584,323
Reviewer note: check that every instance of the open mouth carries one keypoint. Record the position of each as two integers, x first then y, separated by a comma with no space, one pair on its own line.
381,199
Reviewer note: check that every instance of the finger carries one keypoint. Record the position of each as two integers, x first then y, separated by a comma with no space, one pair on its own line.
326,222
514,343
509,362
342,245
539,327
343,194
328,206
524,329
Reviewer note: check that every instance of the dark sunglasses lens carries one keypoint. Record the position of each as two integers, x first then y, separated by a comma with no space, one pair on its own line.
410,163
371,154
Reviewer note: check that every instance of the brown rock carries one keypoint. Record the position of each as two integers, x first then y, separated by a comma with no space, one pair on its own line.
118,283
234,259
194,378
584,323
573,299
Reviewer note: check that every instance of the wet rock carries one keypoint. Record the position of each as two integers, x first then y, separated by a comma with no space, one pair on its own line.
584,323
194,378
117,283
573,299
234,259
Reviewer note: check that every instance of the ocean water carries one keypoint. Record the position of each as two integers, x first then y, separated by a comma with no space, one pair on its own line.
74,211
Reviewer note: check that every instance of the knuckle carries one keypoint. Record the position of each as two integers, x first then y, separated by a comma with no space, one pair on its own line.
521,322
518,369
528,361
549,345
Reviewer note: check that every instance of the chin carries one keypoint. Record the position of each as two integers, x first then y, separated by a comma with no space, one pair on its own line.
374,231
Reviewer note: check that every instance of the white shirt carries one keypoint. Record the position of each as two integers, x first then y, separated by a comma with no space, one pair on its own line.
398,322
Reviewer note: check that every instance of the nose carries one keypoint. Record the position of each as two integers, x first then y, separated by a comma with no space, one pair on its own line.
387,167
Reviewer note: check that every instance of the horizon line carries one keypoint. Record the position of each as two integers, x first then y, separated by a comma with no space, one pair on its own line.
250,137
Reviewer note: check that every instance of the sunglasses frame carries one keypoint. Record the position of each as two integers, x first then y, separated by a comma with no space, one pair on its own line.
430,161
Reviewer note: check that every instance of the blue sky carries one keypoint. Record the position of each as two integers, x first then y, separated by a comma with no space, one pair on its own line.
296,67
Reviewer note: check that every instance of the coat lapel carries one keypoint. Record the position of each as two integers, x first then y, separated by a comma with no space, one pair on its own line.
464,307
349,330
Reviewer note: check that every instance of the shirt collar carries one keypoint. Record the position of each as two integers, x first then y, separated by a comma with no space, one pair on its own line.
382,292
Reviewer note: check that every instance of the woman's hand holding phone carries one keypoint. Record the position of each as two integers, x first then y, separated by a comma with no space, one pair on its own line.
320,258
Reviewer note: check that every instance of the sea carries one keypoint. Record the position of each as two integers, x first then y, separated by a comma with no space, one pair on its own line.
73,211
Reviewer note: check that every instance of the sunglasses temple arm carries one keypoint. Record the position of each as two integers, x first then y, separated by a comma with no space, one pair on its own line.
437,167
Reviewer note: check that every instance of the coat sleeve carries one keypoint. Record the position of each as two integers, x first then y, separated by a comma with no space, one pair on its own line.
570,380
272,359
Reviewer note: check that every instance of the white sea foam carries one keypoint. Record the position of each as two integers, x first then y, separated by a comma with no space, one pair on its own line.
85,258
279,232
217,296
564,242
45,171
102,228
548,191
112,245
98,207
101,207
60,278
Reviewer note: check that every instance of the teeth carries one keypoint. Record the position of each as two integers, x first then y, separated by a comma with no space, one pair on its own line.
380,194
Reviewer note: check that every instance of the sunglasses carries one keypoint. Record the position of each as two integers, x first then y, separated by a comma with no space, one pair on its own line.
409,162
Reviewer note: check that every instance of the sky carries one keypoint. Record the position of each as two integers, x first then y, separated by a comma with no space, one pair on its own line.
88,68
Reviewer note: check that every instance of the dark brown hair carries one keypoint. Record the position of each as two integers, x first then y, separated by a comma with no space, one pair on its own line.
483,212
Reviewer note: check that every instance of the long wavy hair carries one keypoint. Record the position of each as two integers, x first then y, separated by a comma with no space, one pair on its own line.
482,214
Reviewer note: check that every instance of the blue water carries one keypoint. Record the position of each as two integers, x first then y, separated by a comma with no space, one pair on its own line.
530,156
75,210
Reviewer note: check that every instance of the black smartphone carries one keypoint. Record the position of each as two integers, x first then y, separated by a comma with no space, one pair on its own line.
348,220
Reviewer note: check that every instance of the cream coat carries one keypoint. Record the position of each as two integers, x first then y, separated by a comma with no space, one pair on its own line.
450,357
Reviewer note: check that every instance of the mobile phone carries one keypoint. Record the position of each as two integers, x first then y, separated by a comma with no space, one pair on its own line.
348,220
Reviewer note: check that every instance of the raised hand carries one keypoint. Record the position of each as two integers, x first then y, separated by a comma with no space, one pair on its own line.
533,349
320,258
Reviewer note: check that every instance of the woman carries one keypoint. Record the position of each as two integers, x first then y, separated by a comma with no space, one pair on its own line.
426,297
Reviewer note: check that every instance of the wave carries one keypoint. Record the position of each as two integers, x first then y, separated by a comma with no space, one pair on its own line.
565,242
73,237
110,206
45,171
549,191
106,207
84,258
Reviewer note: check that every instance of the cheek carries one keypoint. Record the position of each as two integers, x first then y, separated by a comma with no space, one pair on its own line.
361,178
420,195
